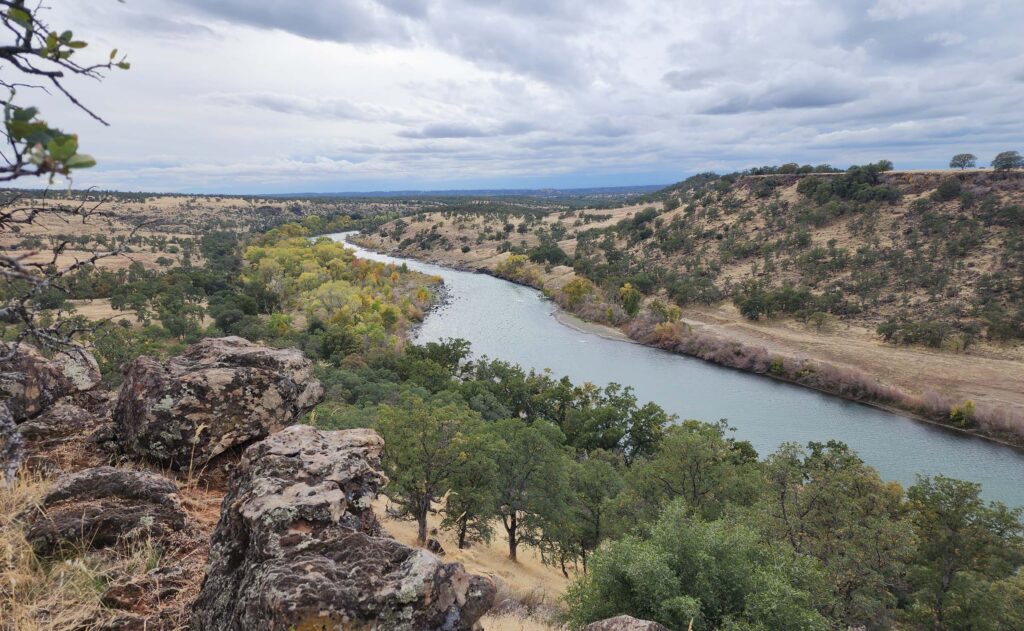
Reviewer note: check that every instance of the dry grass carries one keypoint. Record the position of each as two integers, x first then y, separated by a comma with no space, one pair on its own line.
513,622
529,592
527,578
64,593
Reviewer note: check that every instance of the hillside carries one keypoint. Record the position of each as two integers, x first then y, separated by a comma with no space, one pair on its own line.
913,278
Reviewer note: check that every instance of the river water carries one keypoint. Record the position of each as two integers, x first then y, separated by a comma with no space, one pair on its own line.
514,323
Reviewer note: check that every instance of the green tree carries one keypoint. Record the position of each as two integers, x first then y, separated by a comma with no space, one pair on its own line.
964,545
826,503
1007,161
701,575
593,482
531,478
427,444
696,462
470,504
963,161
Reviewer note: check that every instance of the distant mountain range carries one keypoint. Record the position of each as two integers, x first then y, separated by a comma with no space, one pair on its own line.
544,193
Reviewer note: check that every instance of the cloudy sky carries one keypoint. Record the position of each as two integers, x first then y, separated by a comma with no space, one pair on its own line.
344,95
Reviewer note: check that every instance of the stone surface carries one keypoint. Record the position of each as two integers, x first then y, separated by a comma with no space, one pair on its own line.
30,383
221,394
58,424
12,452
625,623
298,547
101,506
435,546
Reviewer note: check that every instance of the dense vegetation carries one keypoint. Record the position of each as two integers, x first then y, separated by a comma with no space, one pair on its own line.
281,287
676,522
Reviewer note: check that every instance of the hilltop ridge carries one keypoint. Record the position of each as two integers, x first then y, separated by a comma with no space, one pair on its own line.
876,271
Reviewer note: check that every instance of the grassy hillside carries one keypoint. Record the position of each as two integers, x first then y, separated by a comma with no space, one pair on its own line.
931,258
914,279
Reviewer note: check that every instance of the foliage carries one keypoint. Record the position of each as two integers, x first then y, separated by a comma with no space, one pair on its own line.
36,52
1007,161
702,575
963,161
427,444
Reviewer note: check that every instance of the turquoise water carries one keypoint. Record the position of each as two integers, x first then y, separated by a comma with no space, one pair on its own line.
515,323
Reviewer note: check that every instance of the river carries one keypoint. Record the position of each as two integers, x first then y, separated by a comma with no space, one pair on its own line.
515,323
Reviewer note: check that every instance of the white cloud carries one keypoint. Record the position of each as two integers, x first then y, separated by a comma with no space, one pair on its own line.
248,95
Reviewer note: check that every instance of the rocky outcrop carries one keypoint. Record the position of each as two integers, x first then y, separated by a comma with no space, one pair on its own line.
11,450
58,424
625,623
298,547
221,394
101,506
30,383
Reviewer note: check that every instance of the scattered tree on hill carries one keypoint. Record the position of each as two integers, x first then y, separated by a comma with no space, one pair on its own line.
1007,161
963,161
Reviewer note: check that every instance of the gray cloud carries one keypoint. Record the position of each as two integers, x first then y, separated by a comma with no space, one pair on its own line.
446,130
798,92
330,108
347,21
349,94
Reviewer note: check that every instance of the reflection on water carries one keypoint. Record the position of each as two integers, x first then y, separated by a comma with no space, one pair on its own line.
515,323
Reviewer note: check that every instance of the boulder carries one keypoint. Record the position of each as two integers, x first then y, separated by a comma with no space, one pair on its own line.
298,547
30,383
12,452
222,394
58,424
435,546
625,623
101,506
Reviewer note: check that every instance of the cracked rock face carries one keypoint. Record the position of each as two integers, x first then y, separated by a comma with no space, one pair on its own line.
220,394
298,547
30,383
625,623
102,506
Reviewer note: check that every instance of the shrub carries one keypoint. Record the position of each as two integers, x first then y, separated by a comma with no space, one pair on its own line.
962,415
949,188
700,575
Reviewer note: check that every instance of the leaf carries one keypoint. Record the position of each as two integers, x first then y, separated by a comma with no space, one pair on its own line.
20,16
77,44
62,148
124,65
24,114
113,54
80,161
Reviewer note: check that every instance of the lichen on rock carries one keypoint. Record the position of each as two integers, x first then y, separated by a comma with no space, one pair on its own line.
297,547
30,383
102,506
221,394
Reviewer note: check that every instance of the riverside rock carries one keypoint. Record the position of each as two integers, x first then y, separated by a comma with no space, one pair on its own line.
625,623
30,383
298,547
102,506
221,394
